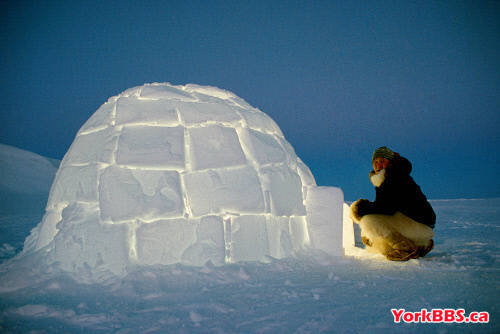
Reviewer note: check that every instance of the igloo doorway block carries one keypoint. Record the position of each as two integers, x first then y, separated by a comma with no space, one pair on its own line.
164,174
324,212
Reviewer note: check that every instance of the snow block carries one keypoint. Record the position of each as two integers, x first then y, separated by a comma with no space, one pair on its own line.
126,194
292,158
74,183
130,110
164,241
197,112
249,240
348,239
261,122
220,191
101,119
325,219
157,91
151,146
285,189
91,148
263,147
298,233
86,243
215,147
210,91
305,174
278,234
209,245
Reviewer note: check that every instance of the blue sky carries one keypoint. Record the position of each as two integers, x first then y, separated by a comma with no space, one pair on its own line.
339,77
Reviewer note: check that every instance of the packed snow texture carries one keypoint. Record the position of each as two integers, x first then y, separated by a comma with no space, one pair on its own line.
164,174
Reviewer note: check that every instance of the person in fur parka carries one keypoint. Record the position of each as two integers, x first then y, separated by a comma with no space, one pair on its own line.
399,223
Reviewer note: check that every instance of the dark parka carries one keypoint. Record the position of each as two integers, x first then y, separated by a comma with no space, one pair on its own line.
399,192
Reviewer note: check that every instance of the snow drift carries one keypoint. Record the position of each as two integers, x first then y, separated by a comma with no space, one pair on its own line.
164,174
25,180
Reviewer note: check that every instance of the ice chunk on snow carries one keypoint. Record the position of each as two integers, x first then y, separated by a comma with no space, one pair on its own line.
164,241
285,189
131,110
126,194
151,146
215,146
324,218
220,191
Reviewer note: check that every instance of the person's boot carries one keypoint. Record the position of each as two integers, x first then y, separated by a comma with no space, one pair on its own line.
366,241
400,248
400,242
424,250
401,255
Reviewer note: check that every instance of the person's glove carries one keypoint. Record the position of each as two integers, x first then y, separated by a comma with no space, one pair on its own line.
359,209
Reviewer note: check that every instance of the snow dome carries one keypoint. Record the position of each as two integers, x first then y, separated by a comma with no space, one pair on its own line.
164,174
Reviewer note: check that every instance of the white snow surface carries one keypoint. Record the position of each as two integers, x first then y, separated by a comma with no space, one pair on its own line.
25,172
312,292
25,180
164,174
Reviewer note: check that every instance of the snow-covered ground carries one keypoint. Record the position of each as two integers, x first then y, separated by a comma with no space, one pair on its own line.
312,293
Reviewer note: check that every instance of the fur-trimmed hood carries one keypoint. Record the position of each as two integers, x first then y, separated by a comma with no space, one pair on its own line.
399,167
377,179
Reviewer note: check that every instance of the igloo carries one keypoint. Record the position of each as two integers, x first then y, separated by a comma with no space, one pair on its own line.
165,174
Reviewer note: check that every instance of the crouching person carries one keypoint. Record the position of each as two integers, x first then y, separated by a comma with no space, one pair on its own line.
399,223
